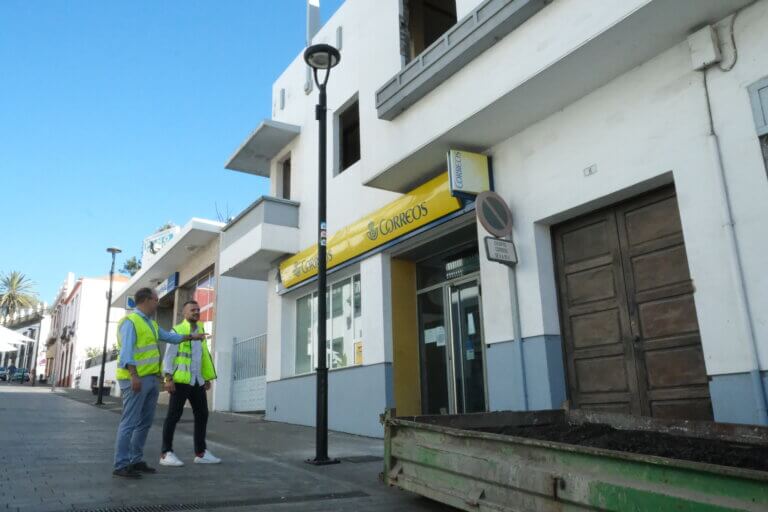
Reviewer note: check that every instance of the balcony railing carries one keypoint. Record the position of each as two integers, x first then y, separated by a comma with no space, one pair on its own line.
468,38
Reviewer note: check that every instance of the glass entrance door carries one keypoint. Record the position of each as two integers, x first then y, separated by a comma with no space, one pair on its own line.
452,349
433,339
467,341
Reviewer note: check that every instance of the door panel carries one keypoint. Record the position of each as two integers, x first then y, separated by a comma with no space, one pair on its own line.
665,327
595,319
629,321
432,339
468,348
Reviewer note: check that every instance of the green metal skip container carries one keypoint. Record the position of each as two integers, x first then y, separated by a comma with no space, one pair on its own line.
459,461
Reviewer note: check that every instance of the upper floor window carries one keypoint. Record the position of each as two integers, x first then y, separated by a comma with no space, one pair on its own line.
285,193
424,21
349,136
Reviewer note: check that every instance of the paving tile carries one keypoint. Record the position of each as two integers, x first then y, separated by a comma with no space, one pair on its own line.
56,453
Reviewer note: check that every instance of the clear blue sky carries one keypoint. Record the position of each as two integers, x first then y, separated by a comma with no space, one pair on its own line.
116,117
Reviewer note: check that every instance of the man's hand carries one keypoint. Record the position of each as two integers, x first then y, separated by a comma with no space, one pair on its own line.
135,383
207,385
198,336
170,386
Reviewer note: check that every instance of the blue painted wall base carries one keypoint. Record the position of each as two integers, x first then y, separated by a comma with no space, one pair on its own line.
733,398
544,372
356,398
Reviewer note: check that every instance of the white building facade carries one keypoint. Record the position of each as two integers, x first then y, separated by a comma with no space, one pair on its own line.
186,267
628,141
77,335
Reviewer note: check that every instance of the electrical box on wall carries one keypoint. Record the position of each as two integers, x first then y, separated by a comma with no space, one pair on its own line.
705,48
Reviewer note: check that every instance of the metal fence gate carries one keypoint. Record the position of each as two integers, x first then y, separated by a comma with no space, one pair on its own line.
249,375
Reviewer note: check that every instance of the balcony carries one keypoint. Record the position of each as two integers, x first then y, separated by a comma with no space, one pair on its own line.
472,96
265,231
470,37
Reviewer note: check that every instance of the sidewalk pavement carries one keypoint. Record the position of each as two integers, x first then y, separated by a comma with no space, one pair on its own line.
56,453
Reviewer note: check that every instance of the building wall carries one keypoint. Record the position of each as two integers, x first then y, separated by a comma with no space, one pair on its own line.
110,380
241,306
87,308
643,129
364,67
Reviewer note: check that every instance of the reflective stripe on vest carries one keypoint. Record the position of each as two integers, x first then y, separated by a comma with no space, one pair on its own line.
183,362
146,353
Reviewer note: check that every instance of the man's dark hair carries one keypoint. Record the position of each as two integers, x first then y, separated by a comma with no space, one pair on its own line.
190,302
143,295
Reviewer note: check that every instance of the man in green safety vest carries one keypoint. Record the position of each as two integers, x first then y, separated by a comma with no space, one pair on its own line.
188,370
138,372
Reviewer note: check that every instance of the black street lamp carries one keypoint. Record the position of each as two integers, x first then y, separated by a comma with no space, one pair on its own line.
113,251
321,57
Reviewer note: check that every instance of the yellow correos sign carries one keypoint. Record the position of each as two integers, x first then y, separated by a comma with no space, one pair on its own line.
418,208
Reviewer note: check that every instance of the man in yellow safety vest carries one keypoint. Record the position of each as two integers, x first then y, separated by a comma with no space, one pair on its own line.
138,372
188,370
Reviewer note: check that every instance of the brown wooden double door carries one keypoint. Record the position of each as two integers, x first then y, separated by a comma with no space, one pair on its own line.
629,324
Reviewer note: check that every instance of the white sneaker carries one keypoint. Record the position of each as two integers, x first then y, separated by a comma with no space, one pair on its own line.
207,458
170,459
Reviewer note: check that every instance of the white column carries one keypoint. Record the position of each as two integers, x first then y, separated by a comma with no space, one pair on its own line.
376,286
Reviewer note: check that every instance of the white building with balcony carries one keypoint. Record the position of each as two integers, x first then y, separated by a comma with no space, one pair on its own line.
626,139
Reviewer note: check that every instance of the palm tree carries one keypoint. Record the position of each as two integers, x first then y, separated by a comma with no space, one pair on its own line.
16,292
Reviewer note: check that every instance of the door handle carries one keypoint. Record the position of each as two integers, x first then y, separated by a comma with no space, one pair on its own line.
636,338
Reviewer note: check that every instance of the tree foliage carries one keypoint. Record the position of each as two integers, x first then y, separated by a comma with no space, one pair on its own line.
131,266
17,292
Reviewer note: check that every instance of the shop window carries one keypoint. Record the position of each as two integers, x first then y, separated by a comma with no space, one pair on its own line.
286,179
349,136
343,327
205,295
424,22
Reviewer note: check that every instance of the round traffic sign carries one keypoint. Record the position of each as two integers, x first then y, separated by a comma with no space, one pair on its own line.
494,214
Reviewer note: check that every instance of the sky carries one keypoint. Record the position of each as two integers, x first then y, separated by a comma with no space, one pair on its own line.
117,117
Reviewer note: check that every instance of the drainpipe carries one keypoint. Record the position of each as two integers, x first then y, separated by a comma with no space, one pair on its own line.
742,300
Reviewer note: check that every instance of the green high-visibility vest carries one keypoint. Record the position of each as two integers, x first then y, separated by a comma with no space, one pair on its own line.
183,361
146,353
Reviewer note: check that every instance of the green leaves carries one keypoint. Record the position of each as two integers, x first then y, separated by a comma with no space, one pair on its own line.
17,292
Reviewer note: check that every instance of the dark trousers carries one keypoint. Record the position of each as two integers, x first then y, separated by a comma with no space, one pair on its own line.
199,402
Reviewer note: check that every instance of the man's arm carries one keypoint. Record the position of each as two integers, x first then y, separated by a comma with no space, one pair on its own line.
174,338
168,360
168,366
127,342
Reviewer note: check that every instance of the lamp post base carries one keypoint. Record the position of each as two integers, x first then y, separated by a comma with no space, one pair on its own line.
322,462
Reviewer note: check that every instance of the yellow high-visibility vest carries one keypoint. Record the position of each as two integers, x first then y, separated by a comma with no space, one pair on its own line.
146,353
183,361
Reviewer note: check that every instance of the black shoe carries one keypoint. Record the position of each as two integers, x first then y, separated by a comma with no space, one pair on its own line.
142,467
126,472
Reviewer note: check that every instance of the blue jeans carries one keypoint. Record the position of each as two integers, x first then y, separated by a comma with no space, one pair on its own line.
138,413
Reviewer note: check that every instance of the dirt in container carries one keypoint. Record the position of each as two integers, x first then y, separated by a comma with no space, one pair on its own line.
596,435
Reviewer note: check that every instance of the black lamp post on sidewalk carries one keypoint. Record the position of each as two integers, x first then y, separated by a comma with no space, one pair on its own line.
321,57
113,251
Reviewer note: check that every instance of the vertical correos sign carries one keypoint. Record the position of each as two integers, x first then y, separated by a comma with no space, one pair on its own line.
469,173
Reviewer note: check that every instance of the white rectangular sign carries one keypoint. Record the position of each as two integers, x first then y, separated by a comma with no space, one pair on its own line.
469,173
500,250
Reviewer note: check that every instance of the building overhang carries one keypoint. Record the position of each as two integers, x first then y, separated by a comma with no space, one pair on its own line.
254,155
195,235
264,232
630,41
